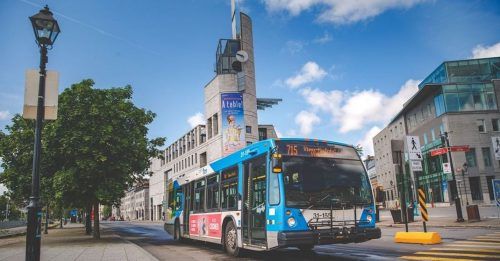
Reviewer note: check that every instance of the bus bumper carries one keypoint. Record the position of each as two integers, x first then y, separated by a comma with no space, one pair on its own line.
327,236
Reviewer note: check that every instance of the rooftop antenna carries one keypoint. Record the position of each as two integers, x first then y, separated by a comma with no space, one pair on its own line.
233,18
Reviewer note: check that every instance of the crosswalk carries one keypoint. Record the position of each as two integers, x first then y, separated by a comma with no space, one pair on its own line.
486,247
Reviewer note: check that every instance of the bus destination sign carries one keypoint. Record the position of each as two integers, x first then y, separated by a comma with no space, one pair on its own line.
313,149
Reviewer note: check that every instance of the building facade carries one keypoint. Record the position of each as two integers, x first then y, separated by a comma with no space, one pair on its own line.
135,204
205,143
461,99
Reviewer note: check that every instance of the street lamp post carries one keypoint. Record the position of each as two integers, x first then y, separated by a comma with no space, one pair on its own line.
46,30
464,169
458,206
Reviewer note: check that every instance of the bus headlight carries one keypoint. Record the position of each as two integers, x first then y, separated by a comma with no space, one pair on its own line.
291,222
369,218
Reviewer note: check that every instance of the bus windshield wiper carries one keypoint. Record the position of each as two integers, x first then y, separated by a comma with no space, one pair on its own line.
321,200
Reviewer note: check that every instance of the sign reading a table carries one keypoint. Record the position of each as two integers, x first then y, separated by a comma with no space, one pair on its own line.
496,189
413,146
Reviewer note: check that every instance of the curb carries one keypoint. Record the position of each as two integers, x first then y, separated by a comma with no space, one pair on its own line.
140,248
23,233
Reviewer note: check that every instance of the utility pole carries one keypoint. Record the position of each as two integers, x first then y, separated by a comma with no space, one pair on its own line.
458,205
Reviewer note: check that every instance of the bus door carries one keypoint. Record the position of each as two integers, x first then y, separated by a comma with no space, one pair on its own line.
254,198
187,189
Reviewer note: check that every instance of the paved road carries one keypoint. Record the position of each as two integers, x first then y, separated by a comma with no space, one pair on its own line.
156,241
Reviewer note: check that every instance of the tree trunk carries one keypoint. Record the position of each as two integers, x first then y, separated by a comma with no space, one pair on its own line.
88,222
62,215
97,234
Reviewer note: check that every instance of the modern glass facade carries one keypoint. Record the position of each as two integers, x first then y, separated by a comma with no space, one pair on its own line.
465,97
465,71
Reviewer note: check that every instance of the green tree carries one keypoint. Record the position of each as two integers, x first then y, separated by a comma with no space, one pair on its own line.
102,145
16,151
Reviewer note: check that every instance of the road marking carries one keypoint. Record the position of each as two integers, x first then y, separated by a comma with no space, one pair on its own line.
473,246
477,242
483,250
486,240
454,254
433,258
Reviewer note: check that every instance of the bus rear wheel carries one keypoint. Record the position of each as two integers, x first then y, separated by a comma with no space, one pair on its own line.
231,239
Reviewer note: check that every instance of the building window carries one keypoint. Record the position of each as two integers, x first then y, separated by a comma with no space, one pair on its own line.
475,188
441,129
249,143
215,123
486,156
495,123
433,135
480,126
425,138
490,186
249,129
470,157
262,134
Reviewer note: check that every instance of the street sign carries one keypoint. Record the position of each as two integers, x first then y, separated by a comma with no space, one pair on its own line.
463,148
416,165
413,146
446,168
496,146
496,189
31,94
440,151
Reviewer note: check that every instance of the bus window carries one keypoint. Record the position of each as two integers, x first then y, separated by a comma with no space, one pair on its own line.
213,193
274,189
229,188
199,195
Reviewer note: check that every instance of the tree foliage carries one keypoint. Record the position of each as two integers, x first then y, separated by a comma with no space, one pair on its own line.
96,148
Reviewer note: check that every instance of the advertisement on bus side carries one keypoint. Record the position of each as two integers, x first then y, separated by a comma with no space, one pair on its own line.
205,225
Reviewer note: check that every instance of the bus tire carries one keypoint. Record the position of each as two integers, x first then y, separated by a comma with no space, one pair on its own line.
231,239
306,248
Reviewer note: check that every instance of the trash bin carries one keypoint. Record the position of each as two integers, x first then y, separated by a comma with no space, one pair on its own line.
396,216
411,216
473,213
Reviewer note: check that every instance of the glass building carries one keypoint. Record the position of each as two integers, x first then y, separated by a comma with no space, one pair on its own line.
461,98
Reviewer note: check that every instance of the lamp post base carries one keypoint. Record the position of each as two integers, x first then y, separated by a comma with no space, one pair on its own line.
33,236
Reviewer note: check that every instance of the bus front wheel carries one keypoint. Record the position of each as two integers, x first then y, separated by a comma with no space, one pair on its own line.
231,239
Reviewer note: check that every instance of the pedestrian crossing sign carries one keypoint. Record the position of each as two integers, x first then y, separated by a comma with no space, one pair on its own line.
413,146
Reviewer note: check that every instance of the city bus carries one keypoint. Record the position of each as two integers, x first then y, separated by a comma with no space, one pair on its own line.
273,194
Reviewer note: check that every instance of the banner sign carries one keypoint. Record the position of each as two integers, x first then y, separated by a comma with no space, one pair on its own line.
233,122
496,146
496,189
205,225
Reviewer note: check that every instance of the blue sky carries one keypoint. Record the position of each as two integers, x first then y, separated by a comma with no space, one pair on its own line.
342,70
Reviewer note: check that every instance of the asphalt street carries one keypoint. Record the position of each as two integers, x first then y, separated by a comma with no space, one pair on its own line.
152,238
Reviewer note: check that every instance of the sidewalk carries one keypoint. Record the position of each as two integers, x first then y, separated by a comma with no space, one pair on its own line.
71,243
444,220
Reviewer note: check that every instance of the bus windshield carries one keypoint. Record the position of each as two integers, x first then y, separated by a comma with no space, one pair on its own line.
321,183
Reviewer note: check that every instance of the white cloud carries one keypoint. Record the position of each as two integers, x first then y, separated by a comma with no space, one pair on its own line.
4,115
310,72
196,120
486,51
356,110
294,47
340,11
323,39
306,120
367,141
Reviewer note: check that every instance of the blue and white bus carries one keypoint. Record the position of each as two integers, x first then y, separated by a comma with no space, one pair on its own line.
275,193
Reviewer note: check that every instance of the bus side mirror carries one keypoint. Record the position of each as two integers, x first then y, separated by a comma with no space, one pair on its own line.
277,163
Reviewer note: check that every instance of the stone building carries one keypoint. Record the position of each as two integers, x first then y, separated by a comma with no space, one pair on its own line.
234,78
461,99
